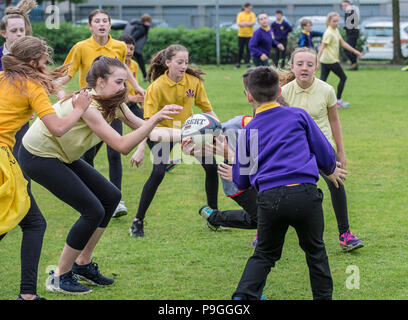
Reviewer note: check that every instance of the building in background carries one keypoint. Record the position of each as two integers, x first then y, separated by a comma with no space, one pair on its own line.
197,13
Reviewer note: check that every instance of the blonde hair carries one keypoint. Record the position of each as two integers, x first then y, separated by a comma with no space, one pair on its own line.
303,49
330,16
18,66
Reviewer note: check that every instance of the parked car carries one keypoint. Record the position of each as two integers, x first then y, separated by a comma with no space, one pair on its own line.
117,24
380,40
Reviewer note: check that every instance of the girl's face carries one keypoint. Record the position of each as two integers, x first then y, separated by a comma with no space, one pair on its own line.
178,64
42,63
100,25
15,29
263,20
113,84
304,66
334,22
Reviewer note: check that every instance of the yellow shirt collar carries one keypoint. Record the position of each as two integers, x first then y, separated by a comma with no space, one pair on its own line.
267,28
309,90
171,83
97,45
266,106
305,32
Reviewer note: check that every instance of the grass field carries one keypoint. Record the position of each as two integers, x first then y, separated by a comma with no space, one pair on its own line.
179,258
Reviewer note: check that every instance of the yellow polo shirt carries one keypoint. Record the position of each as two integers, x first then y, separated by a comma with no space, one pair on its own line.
17,108
315,100
163,91
69,147
331,38
134,68
84,53
243,16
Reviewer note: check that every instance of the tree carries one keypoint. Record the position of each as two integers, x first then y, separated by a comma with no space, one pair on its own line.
397,56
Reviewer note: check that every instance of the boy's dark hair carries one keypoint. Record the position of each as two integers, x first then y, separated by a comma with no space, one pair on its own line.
262,83
279,11
304,22
127,38
246,5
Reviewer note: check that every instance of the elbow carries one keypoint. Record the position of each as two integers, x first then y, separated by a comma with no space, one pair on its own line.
57,132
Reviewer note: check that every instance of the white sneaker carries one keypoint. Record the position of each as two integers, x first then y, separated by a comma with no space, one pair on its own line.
121,210
342,104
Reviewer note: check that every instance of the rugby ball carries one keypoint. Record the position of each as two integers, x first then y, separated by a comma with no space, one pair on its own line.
201,128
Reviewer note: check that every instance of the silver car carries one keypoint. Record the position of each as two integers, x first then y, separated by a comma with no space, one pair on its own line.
379,45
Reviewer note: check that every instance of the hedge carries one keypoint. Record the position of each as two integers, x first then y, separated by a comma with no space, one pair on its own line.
201,42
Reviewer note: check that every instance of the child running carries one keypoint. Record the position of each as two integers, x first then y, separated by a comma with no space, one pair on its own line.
329,55
319,100
44,157
24,87
80,58
279,153
307,34
174,82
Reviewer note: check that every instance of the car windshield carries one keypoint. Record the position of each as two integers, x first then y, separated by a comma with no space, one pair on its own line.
378,31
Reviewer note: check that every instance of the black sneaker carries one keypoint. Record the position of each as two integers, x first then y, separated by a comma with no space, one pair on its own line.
136,230
90,273
37,297
66,283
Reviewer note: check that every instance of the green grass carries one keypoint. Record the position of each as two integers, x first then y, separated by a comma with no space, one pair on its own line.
180,258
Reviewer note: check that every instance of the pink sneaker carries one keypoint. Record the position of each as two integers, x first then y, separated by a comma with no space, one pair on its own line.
349,242
255,241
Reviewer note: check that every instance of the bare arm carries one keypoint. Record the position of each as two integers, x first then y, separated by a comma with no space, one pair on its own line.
59,126
212,114
346,46
337,135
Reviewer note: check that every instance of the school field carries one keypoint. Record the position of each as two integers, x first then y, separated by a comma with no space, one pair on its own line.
180,258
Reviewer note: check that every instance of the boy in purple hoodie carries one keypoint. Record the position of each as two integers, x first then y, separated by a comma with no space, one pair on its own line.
280,29
262,42
279,153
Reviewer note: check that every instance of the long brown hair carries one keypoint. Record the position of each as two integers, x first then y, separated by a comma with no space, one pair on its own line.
158,63
18,66
103,67
21,10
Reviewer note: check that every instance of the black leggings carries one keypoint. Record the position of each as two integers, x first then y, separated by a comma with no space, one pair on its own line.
161,153
114,157
79,185
338,71
33,227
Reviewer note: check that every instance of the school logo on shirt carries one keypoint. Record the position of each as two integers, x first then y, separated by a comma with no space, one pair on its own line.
190,93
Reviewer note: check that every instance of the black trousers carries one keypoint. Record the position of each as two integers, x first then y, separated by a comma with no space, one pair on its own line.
140,61
80,186
33,226
242,219
258,62
278,208
338,71
161,154
280,54
243,46
114,157
352,41
19,137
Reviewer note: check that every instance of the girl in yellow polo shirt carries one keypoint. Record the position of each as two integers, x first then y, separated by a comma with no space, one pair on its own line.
24,88
174,82
245,20
80,58
319,100
329,55
44,157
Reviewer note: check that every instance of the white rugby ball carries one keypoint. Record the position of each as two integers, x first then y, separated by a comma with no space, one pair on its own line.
202,128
